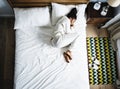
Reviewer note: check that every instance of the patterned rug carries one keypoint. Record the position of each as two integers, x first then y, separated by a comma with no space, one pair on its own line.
101,49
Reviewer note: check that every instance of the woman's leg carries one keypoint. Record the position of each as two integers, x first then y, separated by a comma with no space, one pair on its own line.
74,45
64,40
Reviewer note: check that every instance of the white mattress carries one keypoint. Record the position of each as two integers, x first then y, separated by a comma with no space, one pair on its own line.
38,65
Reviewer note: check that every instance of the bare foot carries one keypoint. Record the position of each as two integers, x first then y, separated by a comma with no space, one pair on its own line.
66,57
68,52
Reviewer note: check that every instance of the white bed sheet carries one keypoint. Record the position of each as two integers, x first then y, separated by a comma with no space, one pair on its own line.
38,65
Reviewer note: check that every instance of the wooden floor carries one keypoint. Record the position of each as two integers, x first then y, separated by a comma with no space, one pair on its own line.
7,52
93,31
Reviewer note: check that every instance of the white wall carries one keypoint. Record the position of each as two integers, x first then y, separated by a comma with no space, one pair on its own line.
5,9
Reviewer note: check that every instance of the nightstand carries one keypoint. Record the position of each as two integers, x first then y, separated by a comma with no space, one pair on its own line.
94,16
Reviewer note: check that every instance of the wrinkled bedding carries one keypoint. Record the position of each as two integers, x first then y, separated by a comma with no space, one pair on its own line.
38,65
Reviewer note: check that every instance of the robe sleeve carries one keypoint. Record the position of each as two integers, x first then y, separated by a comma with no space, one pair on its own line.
59,30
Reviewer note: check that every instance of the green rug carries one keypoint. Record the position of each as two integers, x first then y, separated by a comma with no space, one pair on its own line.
100,47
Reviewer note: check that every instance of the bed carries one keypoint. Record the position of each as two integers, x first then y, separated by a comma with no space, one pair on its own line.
38,65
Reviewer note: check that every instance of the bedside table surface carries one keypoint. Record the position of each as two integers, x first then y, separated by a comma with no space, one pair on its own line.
95,17
96,13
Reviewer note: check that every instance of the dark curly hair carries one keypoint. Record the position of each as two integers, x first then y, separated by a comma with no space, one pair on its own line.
72,13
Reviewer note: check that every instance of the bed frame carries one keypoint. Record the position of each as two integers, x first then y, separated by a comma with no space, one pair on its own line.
36,3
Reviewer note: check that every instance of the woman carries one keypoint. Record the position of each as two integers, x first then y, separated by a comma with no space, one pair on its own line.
65,35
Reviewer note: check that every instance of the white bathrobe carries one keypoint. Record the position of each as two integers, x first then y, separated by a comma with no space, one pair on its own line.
64,35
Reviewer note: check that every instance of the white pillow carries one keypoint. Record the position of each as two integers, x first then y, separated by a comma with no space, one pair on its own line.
30,17
59,10
81,19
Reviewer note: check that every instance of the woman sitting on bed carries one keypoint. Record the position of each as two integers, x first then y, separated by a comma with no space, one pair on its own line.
65,35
